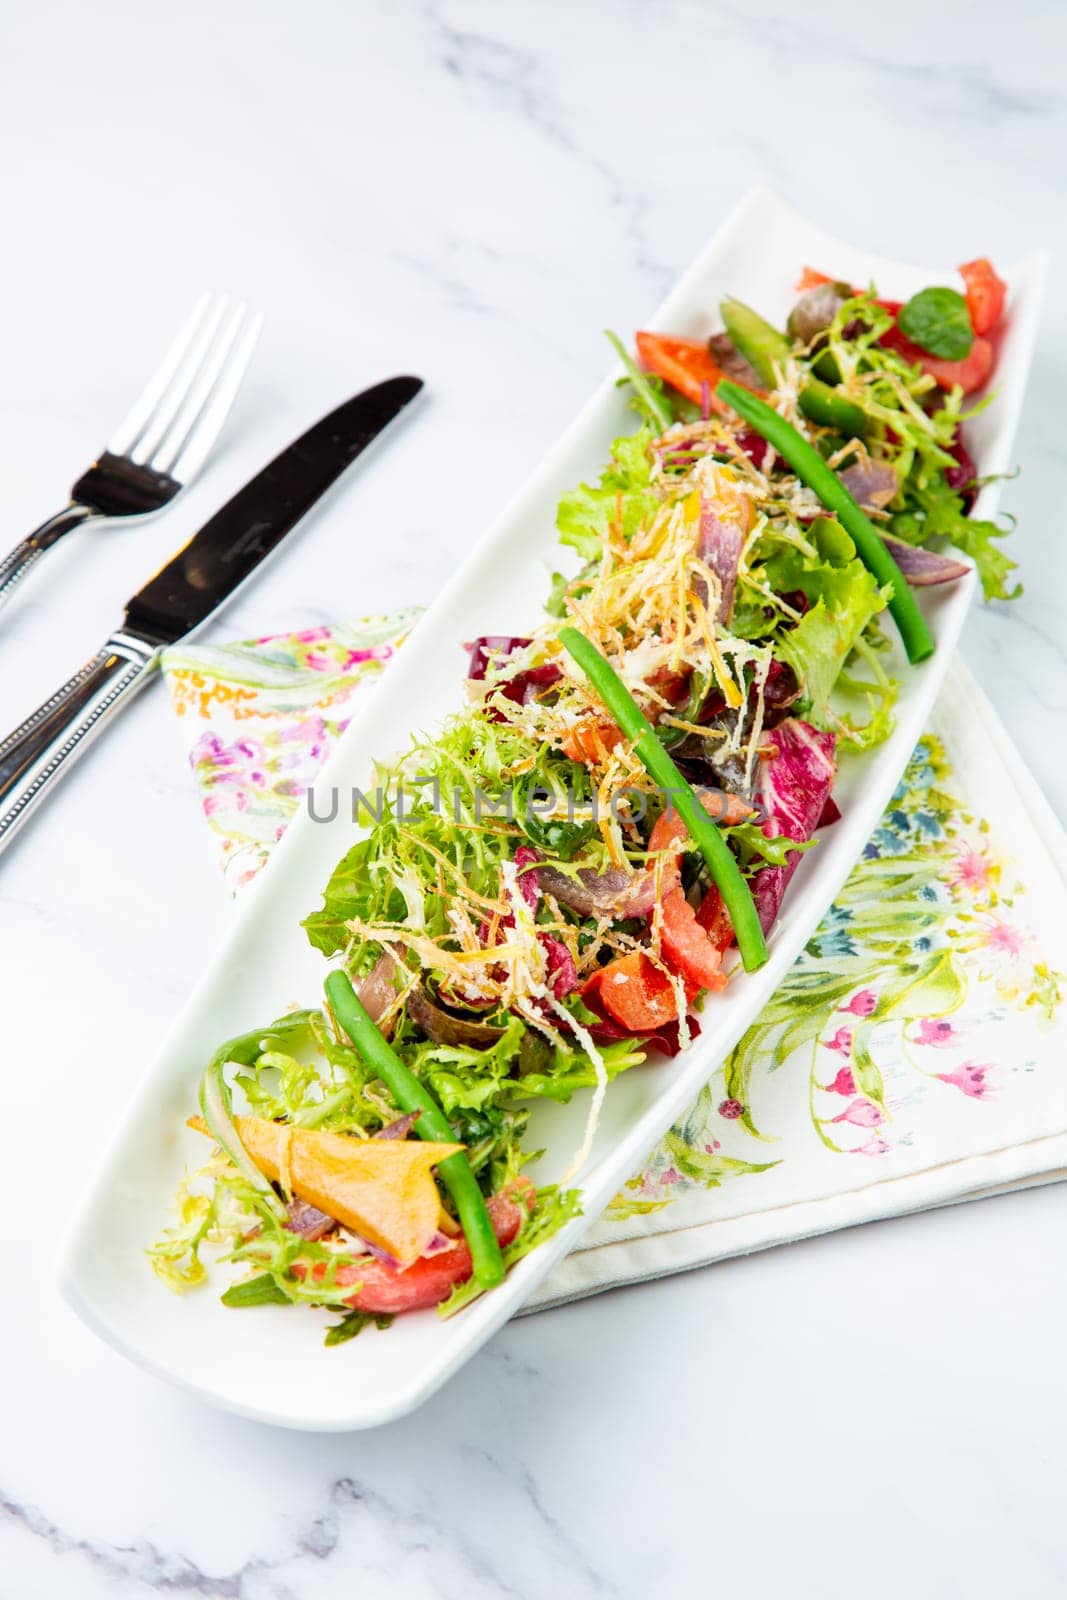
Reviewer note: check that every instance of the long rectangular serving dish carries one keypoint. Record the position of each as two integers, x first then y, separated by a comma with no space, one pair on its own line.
270,1363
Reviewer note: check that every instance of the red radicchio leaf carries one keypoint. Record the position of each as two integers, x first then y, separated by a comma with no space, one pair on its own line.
526,859
491,649
561,971
562,974
831,813
792,787
964,476
756,448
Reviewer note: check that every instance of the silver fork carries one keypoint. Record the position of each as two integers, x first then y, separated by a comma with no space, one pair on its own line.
160,446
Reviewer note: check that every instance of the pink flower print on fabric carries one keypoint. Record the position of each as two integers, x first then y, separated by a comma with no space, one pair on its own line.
970,1078
874,1146
844,1083
861,1004
972,870
841,1040
861,1113
935,1031
1000,937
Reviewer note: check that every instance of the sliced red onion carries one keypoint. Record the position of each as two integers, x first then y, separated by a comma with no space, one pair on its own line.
720,546
923,567
377,990
444,1027
729,360
439,1243
872,484
308,1221
400,1128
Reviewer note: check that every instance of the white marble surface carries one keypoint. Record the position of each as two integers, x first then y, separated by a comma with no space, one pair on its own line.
473,191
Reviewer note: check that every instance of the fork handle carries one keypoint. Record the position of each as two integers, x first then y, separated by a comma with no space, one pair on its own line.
16,564
37,754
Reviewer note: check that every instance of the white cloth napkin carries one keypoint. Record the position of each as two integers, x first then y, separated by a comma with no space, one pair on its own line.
914,1058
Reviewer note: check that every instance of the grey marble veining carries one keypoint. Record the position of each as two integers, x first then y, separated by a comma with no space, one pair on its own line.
474,191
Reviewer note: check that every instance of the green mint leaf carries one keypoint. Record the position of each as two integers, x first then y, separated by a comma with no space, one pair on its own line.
938,321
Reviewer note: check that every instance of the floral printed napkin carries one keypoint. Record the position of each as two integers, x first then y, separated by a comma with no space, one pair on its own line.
915,1056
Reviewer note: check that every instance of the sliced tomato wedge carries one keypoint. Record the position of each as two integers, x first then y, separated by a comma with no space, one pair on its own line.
686,364
714,918
633,990
970,373
386,1290
985,294
686,946
810,279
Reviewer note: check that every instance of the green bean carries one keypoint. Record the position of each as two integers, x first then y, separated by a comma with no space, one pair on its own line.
762,346
810,467
766,351
633,723
411,1095
824,405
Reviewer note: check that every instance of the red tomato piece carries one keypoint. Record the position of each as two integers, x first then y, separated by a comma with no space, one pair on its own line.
714,918
634,991
686,946
686,364
810,279
984,292
970,373
670,830
386,1290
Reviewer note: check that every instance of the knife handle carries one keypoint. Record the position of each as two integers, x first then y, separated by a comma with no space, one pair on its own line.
37,754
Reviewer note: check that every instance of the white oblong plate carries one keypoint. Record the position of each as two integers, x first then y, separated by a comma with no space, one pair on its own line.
271,1364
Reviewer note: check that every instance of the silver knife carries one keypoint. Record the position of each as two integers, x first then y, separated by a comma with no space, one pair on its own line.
184,594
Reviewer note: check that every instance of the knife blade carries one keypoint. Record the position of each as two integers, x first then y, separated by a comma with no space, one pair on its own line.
185,592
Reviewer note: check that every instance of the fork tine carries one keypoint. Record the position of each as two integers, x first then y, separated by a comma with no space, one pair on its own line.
130,428
170,401
170,445
205,429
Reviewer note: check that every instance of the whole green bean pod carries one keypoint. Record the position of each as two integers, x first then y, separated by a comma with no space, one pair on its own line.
412,1095
633,723
811,469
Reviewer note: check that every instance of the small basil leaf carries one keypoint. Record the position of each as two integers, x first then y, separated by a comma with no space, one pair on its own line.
938,321
261,1291
353,1324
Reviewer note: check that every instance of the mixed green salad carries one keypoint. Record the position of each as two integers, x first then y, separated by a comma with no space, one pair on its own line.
558,882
